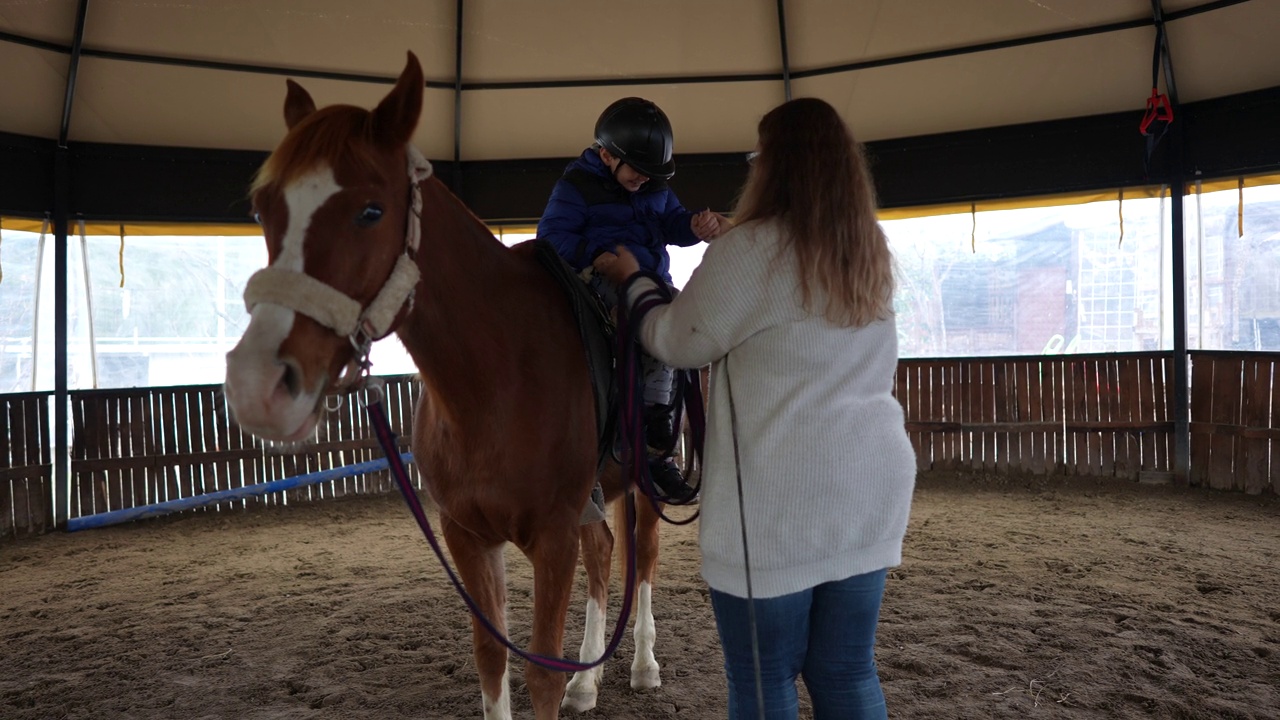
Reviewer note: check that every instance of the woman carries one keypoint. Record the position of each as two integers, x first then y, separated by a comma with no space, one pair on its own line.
794,308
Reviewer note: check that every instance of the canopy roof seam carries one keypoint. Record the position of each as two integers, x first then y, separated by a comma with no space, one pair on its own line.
621,81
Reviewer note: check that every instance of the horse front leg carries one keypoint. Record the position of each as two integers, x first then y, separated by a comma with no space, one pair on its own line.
555,560
644,667
597,550
483,572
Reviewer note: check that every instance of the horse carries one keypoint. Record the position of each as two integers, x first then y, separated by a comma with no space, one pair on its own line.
362,240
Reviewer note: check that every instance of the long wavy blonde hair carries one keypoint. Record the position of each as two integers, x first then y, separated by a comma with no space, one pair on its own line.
811,176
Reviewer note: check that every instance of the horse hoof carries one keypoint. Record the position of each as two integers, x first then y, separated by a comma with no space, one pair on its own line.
645,678
578,700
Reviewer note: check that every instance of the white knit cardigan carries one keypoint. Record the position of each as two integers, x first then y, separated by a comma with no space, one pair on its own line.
827,469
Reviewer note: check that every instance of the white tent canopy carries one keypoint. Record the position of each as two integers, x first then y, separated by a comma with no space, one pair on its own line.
533,75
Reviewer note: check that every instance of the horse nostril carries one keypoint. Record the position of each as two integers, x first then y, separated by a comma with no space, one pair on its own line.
292,378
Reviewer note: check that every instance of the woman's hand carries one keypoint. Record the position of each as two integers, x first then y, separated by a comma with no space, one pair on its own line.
707,225
617,266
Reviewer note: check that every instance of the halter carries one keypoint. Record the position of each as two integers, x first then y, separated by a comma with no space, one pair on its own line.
335,309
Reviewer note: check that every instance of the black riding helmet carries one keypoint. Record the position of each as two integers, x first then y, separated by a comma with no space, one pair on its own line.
638,133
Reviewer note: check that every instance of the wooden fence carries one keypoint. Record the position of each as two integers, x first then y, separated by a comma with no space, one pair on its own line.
137,447
26,468
1104,415
1084,414
1235,421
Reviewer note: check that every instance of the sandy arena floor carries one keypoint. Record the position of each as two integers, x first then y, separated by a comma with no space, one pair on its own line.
1038,598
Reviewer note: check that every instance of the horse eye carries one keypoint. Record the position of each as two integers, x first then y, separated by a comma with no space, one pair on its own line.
257,218
369,216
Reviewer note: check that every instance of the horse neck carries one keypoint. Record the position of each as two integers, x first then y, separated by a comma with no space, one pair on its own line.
456,328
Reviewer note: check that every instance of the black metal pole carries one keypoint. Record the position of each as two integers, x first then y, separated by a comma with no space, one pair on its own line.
60,497
457,107
59,504
77,44
782,37
1181,460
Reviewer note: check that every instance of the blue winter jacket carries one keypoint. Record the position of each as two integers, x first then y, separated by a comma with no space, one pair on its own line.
590,213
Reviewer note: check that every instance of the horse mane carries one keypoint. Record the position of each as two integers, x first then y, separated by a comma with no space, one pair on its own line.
323,137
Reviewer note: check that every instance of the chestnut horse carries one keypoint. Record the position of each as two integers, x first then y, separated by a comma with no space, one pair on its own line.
505,431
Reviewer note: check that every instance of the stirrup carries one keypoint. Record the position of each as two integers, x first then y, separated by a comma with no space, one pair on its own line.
593,511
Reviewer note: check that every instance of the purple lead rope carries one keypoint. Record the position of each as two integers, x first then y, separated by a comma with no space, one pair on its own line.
387,439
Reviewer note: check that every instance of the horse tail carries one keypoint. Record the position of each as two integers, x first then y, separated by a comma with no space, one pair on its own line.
622,538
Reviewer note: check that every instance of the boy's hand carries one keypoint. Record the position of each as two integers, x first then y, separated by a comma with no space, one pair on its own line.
617,268
707,224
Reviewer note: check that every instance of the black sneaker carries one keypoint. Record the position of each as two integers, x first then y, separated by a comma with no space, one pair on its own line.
667,478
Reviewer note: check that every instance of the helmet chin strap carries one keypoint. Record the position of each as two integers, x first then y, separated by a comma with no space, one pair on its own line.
335,309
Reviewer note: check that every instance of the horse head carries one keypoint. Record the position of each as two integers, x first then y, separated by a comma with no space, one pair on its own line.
338,202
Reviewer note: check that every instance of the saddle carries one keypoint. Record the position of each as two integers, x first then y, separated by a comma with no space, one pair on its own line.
597,329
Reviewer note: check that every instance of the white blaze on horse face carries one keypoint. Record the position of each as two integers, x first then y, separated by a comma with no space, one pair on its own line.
254,368
304,197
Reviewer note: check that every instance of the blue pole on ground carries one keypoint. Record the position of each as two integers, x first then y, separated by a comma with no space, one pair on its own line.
163,508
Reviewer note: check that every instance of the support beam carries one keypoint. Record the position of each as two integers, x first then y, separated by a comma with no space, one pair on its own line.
782,38
457,106
60,504
77,45
1176,154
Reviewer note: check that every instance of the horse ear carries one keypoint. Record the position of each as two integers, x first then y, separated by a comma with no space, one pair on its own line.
396,117
297,104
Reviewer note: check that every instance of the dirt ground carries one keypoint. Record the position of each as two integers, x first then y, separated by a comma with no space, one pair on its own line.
1024,598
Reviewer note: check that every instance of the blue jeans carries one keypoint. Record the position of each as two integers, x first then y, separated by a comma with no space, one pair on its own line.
825,634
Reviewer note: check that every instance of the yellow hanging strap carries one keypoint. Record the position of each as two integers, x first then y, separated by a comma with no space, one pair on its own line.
122,256
1240,211
1,242
1120,212
973,231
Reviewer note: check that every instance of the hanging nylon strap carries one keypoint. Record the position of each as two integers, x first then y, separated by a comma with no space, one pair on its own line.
631,316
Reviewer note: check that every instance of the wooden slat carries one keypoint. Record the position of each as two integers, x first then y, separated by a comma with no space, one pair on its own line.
8,519
192,440
209,442
1226,408
19,497
1202,397
1031,407
970,412
79,428
1252,454
169,443
1131,404
16,434
1044,408
1074,406
940,399
987,405
6,436
139,428
1103,441
1093,412
1006,402
1147,396
921,405
1165,408
1020,450
1275,423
